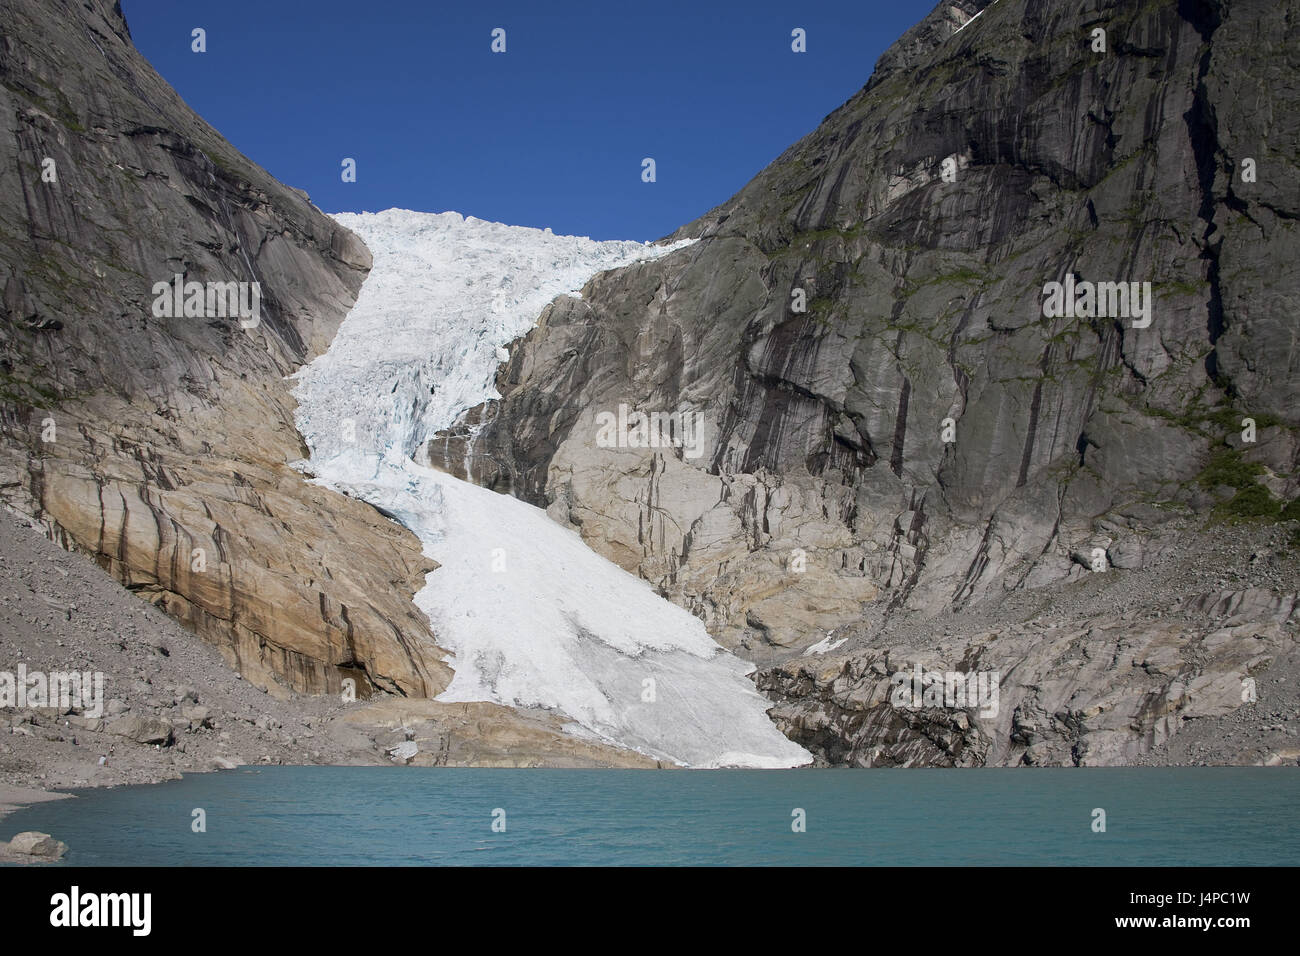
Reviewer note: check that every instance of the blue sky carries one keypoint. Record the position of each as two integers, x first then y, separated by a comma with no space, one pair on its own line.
550,133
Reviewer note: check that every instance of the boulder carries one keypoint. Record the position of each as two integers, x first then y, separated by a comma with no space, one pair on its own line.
198,716
1127,553
38,846
143,730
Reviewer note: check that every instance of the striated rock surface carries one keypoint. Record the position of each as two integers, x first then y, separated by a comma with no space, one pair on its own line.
1100,673
160,445
894,428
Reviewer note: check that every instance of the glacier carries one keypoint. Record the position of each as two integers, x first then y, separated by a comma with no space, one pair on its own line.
530,616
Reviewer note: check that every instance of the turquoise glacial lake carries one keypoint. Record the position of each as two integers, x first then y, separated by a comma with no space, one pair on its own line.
407,816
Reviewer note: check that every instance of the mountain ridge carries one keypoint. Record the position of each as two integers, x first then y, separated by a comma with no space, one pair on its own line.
898,431
924,436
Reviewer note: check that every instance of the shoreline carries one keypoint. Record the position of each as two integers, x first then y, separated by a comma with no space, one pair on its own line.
19,798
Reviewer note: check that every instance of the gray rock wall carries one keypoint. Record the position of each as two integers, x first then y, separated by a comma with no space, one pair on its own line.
147,441
827,491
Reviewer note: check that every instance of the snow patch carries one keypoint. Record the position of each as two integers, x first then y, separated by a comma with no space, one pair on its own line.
825,645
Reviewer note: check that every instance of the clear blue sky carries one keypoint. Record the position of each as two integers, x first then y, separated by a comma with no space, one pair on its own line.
550,133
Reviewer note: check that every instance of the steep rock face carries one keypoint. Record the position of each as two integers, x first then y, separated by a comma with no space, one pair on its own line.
1097,690
923,437
161,445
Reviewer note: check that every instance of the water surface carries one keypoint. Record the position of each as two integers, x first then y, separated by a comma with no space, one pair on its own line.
418,816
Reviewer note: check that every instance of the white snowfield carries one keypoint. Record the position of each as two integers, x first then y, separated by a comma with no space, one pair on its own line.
531,616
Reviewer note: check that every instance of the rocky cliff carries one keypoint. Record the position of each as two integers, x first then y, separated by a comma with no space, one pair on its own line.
160,445
852,428
898,424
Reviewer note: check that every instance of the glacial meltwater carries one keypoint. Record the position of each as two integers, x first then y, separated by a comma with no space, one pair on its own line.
415,816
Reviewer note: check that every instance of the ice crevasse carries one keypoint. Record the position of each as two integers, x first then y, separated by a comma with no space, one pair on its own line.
530,615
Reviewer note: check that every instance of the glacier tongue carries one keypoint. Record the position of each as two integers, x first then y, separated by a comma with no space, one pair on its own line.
531,615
